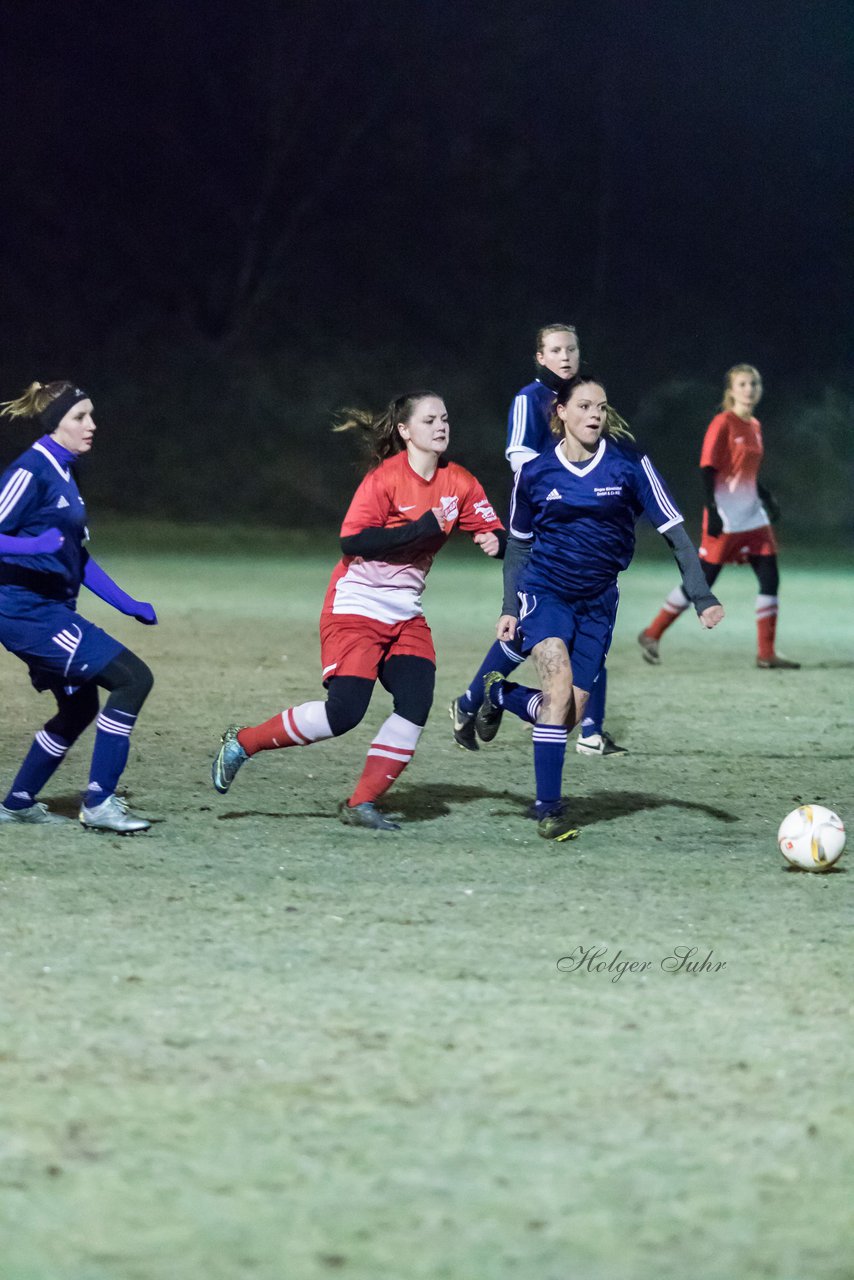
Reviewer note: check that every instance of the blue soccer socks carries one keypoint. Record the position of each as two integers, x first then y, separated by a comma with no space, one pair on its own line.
549,754
502,657
42,760
112,745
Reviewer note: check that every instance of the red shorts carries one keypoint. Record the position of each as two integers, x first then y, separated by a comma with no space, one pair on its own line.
352,645
737,548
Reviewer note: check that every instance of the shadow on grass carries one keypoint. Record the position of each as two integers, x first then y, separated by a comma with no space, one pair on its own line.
429,801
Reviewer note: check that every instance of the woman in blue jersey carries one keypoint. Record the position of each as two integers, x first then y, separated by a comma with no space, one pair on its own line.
572,531
528,434
43,563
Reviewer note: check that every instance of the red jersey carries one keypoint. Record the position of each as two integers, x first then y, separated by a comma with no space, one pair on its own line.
733,446
390,496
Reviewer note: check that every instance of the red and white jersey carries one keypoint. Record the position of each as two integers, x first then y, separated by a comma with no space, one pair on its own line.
390,496
733,446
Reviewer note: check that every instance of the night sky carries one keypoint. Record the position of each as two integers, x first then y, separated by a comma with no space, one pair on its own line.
270,209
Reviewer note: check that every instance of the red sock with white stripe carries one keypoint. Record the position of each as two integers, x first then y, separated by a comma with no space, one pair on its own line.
294,727
766,626
673,608
388,756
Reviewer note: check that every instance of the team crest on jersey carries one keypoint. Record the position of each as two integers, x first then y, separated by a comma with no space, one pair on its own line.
450,508
550,497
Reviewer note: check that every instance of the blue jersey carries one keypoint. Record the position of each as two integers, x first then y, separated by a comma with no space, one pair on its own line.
581,518
528,419
39,492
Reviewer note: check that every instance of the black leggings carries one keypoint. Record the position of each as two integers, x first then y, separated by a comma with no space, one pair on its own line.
765,568
409,680
128,681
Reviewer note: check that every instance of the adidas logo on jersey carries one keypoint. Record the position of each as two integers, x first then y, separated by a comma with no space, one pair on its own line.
63,501
550,497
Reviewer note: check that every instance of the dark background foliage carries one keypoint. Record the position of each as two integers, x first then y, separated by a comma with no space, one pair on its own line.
229,220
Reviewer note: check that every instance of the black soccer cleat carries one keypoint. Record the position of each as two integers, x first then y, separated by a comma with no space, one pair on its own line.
463,722
487,721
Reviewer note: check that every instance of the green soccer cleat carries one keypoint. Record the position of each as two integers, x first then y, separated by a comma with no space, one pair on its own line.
365,815
463,722
487,721
229,759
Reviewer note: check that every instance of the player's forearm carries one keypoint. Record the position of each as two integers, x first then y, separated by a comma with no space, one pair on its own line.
515,559
693,579
375,544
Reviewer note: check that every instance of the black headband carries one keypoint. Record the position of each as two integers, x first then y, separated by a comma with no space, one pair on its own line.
51,416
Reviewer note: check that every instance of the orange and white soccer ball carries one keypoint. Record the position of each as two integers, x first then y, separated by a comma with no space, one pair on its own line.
812,837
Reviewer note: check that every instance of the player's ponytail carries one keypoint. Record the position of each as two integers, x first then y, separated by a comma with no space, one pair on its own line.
35,399
380,429
616,427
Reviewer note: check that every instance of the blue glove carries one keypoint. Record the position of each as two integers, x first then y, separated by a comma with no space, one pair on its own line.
43,544
145,614
102,585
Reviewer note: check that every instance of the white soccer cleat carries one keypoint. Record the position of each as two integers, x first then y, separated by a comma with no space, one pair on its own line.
113,814
35,815
599,744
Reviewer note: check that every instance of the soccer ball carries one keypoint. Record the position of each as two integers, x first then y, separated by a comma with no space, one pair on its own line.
811,838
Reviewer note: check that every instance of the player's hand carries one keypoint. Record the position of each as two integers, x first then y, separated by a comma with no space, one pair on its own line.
145,614
506,628
712,616
714,523
46,543
440,516
488,543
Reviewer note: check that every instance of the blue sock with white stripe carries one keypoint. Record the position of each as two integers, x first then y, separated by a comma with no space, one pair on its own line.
518,698
42,760
549,754
112,745
501,657
594,712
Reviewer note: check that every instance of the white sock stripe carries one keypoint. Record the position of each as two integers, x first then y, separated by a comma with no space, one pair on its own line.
311,722
511,653
290,728
118,727
534,704
397,734
50,745
767,613
549,733
403,757
15,486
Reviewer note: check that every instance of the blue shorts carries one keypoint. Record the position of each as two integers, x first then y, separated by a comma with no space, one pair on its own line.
585,627
60,648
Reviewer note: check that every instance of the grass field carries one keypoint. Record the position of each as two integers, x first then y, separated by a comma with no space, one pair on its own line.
254,1043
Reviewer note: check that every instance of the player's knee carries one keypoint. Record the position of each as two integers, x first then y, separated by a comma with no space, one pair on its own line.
768,575
74,714
128,680
412,682
346,703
